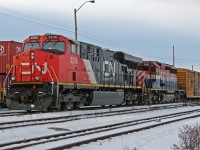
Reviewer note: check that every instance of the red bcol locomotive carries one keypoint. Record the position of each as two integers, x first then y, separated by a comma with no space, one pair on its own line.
55,72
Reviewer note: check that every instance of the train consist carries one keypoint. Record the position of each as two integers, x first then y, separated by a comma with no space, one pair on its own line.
55,72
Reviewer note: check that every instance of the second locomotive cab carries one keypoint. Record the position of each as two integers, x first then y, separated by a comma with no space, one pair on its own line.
55,72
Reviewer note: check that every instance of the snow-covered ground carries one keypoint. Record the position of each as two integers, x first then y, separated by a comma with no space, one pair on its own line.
159,138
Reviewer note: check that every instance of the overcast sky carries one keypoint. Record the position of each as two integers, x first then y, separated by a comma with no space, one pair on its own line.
144,28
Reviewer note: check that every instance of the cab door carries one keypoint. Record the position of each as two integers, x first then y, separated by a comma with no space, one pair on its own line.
74,61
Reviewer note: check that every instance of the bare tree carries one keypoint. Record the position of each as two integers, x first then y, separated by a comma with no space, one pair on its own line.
189,136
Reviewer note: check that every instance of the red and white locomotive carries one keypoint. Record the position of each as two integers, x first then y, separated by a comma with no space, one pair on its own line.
160,80
55,72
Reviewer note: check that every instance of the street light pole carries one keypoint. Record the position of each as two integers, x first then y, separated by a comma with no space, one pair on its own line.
75,23
75,18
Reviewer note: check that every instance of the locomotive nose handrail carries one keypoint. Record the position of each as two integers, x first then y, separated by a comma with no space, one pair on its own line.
53,72
4,83
7,75
52,79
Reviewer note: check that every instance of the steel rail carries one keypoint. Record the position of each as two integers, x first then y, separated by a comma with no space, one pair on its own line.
95,130
42,121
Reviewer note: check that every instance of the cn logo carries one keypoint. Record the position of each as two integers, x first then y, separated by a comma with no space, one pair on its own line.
18,49
1,49
45,68
32,68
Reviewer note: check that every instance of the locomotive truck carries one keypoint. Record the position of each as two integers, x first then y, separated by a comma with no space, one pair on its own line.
56,72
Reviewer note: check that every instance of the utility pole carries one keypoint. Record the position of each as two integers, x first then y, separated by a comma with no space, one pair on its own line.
173,57
75,23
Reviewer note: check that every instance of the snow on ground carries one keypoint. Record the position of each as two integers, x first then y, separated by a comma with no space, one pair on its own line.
111,142
66,113
159,138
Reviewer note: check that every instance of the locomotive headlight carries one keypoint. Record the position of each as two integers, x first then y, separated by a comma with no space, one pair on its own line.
13,78
37,78
32,106
32,55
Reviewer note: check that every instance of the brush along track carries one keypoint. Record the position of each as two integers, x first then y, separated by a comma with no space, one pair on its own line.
85,136
42,121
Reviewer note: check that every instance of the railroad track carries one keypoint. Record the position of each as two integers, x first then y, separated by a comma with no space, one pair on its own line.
84,136
42,121
6,112
16,113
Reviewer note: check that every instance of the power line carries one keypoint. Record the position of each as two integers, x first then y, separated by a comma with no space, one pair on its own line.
32,22
91,36
33,17
110,43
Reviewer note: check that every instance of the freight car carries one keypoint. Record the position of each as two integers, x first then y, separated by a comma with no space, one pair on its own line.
55,72
189,82
7,50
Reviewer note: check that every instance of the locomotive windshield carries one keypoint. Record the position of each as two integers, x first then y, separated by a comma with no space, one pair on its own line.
54,45
31,45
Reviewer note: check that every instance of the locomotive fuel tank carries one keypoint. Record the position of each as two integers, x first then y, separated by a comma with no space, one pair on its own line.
107,98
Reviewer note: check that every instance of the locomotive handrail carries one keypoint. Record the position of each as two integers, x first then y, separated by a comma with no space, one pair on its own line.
50,75
51,82
54,72
7,75
52,79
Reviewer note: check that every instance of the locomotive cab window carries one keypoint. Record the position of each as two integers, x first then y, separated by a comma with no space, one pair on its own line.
31,45
73,48
54,45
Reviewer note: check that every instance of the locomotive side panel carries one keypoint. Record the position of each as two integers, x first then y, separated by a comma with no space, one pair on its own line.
91,57
107,71
115,72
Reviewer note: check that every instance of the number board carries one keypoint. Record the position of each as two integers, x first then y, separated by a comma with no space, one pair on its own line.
52,36
34,37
